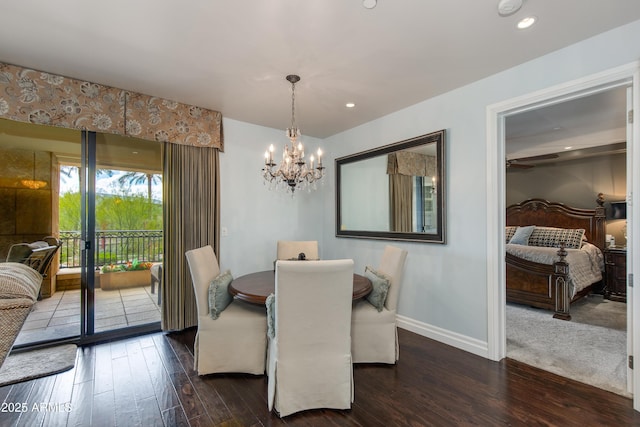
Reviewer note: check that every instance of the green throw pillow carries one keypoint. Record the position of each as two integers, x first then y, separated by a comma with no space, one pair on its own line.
271,312
219,296
381,284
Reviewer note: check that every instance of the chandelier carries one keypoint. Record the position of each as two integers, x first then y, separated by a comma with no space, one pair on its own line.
293,173
34,183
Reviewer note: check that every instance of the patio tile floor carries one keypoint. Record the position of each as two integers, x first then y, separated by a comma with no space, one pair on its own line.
59,316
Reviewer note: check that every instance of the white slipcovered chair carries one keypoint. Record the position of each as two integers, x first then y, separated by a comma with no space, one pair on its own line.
237,340
310,343
374,337
290,249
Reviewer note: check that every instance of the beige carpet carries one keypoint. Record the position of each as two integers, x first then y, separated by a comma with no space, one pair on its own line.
33,364
595,310
591,348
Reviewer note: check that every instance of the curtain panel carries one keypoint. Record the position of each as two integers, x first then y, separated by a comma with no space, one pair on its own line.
191,220
401,203
412,164
47,99
402,167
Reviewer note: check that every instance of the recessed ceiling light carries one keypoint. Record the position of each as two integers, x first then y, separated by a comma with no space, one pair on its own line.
350,105
568,147
526,22
369,4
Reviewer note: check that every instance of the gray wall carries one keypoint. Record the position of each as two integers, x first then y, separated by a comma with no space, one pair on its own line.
575,183
255,217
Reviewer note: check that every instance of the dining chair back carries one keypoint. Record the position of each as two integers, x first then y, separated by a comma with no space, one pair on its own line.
310,345
291,249
392,266
374,333
235,341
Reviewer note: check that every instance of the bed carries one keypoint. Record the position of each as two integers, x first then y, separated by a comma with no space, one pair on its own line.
547,274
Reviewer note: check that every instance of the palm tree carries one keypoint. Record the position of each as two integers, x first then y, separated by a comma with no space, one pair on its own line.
69,172
136,178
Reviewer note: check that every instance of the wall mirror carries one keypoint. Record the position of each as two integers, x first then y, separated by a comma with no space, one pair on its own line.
393,192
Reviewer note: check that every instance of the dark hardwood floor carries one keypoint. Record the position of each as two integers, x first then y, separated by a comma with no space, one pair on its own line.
149,381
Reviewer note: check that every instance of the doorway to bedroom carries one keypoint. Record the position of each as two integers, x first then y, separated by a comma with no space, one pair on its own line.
573,153
626,76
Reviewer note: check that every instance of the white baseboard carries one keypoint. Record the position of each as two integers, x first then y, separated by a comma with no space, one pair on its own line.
453,339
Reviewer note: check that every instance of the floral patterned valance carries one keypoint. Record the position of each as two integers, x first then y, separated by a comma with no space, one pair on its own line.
412,164
42,98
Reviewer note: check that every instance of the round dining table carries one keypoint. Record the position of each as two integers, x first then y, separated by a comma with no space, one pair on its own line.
256,287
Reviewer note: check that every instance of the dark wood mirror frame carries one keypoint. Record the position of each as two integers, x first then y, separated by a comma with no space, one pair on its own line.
437,234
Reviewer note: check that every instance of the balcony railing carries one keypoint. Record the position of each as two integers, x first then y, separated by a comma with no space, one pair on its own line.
113,247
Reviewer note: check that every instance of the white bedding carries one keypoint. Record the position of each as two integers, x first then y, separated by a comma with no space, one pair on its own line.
585,264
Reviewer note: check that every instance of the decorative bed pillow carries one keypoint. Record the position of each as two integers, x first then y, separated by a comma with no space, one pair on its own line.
521,236
510,230
381,284
219,296
271,313
551,237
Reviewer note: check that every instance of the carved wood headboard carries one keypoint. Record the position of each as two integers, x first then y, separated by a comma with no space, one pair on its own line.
551,214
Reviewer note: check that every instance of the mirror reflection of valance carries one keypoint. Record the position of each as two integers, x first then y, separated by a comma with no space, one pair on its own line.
41,98
411,164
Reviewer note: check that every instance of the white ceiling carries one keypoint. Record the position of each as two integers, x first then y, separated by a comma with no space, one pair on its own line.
569,127
233,55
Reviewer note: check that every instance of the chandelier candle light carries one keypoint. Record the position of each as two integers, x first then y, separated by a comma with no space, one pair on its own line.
293,173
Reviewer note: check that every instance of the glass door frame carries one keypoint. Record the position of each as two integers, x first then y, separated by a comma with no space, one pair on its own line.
87,231
87,172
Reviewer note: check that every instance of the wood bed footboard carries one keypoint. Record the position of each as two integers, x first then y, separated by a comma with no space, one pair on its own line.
539,285
546,286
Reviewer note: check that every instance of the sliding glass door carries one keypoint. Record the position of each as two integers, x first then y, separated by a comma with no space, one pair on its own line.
30,192
126,232
102,197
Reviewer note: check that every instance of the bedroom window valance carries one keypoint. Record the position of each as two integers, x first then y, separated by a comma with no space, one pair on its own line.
48,99
410,163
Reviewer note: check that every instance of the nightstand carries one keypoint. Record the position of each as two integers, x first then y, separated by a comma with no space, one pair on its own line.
615,275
